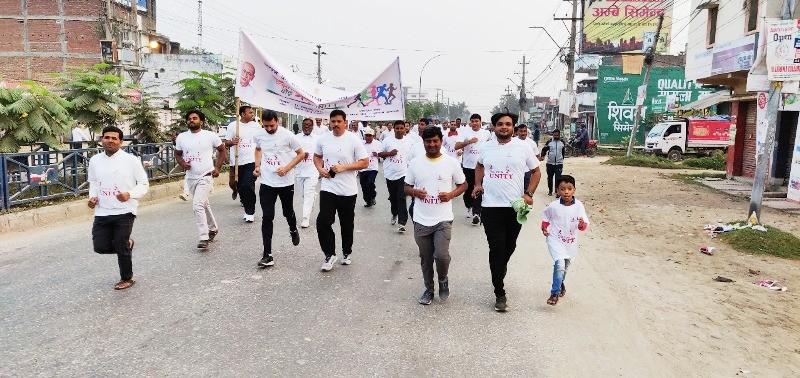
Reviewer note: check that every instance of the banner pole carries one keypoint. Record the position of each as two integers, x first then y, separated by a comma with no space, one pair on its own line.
236,147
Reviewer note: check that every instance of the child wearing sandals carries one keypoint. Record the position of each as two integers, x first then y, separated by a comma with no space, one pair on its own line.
561,221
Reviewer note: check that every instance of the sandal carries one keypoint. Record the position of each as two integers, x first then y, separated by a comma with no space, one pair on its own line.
553,300
123,284
131,244
563,290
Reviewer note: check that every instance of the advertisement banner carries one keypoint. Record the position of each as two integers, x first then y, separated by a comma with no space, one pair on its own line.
793,193
625,25
265,82
617,94
732,56
761,122
783,49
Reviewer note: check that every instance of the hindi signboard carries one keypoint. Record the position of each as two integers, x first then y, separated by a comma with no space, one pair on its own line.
625,25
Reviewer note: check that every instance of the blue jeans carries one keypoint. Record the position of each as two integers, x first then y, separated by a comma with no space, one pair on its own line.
559,274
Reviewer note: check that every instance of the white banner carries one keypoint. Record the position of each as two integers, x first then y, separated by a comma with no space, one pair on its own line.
793,193
265,82
761,122
783,49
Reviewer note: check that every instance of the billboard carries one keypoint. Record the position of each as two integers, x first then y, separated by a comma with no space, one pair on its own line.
625,25
617,94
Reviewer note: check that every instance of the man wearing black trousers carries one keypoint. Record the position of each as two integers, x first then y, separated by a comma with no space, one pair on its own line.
499,176
471,141
554,150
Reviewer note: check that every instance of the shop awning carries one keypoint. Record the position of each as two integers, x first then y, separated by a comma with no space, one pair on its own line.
708,101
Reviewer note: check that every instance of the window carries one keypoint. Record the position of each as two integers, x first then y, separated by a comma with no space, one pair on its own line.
675,128
752,15
712,25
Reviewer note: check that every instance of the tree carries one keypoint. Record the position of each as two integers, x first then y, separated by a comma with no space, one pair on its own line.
96,96
32,114
510,102
212,94
144,121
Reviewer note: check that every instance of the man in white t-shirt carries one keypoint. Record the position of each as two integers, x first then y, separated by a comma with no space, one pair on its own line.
244,186
79,135
521,133
450,140
338,158
471,141
194,150
388,132
319,128
277,152
307,175
416,131
367,175
116,180
499,176
395,154
430,180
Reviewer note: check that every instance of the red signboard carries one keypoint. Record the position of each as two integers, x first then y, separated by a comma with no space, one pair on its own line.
708,130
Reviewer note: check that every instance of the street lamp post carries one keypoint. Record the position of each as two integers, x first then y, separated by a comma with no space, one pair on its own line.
419,96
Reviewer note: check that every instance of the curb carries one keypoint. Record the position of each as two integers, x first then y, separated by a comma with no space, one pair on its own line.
77,210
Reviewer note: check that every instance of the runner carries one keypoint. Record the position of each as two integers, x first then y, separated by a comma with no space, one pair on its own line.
430,179
471,141
277,152
499,173
245,185
395,155
194,151
554,150
338,157
388,132
319,128
116,179
451,139
521,133
307,175
368,174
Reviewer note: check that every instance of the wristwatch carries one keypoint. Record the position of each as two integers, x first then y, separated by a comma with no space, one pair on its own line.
530,194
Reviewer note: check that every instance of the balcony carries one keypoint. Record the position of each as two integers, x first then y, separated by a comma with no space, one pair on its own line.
587,99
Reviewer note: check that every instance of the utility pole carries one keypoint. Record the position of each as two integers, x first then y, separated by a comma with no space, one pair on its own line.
649,62
764,154
319,53
200,25
522,100
571,61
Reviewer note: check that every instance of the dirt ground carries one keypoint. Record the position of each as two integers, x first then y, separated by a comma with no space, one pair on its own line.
644,243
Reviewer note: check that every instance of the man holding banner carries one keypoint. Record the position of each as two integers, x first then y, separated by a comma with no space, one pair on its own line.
338,158
245,184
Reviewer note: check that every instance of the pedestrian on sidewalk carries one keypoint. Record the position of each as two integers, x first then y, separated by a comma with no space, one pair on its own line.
338,158
277,152
244,186
194,150
307,175
561,220
499,175
395,153
472,139
434,179
554,152
116,180
368,174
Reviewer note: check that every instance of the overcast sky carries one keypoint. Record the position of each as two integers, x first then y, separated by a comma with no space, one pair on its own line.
483,43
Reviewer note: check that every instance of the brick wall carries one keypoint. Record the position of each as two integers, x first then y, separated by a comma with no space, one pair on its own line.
83,37
11,35
44,36
43,8
87,8
11,6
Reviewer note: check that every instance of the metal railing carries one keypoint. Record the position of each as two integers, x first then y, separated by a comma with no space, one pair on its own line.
27,177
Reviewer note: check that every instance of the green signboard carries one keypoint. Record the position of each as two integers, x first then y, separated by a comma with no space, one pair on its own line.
616,99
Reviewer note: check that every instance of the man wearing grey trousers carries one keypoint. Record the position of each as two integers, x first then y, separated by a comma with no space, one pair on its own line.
430,179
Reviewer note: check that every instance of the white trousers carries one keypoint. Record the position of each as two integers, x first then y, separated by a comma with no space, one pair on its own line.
201,188
307,187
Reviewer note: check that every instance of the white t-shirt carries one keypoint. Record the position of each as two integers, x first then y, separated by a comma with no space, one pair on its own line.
277,150
434,176
375,146
80,135
563,240
449,144
319,130
418,149
198,150
394,167
111,175
532,144
247,148
344,149
306,166
471,151
504,171
414,137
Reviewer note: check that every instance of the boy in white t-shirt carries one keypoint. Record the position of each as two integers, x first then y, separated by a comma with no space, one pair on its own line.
430,179
194,150
561,221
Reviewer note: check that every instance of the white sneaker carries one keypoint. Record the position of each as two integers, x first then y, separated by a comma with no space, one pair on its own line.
401,229
394,220
304,223
328,264
249,218
469,213
346,260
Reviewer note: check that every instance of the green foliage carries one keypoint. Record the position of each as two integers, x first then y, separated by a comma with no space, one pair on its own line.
96,96
211,93
32,114
510,102
415,111
144,121
647,161
773,242
717,161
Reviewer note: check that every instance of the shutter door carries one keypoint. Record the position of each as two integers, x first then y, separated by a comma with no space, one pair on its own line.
749,148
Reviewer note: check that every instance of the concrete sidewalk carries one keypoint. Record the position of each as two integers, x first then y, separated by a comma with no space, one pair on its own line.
775,200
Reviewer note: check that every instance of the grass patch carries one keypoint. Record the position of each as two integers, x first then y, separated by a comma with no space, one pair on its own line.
716,162
610,152
648,161
696,177
774,242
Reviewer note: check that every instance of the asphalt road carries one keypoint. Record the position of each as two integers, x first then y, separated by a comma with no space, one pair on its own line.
214,313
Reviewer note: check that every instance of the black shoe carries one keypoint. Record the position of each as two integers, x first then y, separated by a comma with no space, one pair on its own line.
368,204
426,298
444,290
549,194
234,194
212,235
295,237
202,244
266,261
500,304
476,219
